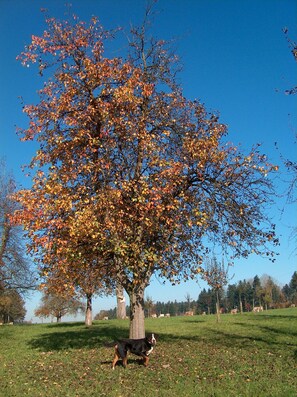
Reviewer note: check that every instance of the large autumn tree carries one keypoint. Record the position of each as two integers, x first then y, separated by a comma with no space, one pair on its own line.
130,172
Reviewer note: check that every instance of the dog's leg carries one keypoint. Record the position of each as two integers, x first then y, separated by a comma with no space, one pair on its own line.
122,353
125,360
145,360
116,357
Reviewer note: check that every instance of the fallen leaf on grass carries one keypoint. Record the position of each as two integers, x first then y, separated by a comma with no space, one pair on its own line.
166,365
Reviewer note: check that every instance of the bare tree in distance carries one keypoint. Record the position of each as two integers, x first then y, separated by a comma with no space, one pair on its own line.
15,267
216,276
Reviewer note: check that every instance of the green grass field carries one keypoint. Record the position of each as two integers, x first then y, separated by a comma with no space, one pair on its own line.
244,355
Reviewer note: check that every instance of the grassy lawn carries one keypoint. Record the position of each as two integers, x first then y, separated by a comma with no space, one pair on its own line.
244,355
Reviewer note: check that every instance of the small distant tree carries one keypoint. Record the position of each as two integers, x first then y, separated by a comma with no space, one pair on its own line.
216,276
12,306
188,300
149,305
271,291
58,306
85,281
101,315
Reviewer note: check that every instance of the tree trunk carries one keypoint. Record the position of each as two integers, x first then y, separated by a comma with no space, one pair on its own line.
88,317
218,306
240,304
4,238
137,329
121,303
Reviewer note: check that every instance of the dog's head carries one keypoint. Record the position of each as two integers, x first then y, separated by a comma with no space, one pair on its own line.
152,339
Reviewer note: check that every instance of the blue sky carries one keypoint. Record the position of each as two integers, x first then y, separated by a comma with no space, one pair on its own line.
236,60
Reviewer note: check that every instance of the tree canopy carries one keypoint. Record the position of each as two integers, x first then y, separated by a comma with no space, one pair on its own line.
131,176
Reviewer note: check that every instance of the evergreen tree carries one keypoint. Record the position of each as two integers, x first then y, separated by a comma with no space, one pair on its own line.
293,288
249,296
216,275
206,302
232,297
256,291
286,290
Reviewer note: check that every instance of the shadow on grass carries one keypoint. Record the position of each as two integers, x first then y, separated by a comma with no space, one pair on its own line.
65,325
230,340
66,336
268,330
76,336
262,316
249,333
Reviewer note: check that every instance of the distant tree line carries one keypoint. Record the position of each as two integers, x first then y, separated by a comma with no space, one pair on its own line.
244,296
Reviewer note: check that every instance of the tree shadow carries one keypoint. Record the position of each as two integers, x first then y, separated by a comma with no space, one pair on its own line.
65,325
66,336
76,336
258,333
270,330
261,316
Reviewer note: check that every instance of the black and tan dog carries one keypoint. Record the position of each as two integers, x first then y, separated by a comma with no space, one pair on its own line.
139,347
